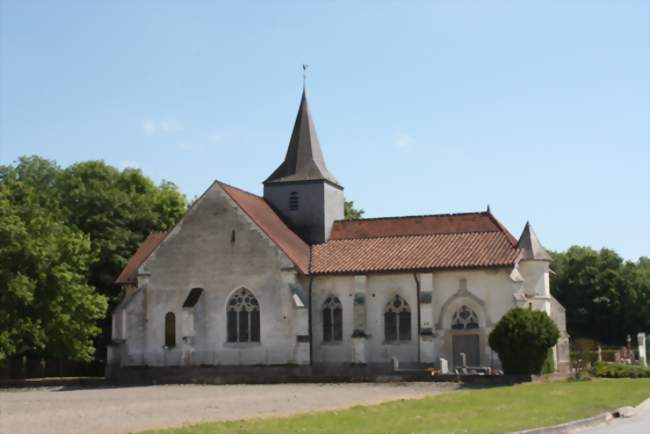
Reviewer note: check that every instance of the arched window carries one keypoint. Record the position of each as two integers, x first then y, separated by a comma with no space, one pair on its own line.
293,201
170,329
243,314
332,320
397,320
464,318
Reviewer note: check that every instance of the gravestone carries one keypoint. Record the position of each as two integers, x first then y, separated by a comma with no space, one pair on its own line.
444,366
642,349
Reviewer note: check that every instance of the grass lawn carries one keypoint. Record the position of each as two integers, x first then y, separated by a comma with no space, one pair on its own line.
497,409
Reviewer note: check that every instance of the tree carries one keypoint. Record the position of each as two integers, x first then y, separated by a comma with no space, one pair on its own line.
522,338
46,306
80,226
605,297
350,212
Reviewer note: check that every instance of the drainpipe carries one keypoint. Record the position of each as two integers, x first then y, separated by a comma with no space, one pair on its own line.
311,334
417,292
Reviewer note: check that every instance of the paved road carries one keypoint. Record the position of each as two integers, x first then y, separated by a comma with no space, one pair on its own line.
638,424
118,410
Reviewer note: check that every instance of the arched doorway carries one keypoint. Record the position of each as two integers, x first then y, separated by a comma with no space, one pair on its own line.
465,337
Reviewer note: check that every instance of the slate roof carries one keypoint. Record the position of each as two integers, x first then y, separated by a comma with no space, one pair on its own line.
272,225
130,271
304,160
450,241
531,247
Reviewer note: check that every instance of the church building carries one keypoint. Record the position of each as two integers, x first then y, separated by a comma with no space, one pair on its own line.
284,280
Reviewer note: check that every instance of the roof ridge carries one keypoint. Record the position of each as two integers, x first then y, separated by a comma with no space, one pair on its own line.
413,236
503,229
455,214
221,183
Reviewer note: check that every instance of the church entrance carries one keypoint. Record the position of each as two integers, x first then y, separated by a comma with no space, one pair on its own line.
468,344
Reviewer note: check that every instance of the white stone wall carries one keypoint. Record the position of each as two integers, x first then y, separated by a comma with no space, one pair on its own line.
490,293
199,253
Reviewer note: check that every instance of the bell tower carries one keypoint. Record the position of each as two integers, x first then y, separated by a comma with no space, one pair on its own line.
301,190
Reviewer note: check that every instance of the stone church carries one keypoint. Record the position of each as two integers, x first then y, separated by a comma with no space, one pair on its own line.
284,280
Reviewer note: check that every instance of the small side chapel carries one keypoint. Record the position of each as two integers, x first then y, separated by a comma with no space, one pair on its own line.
284,280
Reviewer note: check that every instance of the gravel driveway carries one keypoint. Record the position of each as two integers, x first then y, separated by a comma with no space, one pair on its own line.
124,409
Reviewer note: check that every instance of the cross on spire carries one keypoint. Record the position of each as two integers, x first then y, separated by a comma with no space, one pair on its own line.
304,75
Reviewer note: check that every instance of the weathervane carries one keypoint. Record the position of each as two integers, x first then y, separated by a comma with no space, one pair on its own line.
304,75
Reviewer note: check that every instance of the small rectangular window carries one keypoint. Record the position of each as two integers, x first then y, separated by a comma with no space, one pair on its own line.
327,325
390,326
338,324
255,326
232,326
243,326
405,326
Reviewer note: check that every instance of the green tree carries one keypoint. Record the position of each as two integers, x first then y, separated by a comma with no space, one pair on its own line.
350,212
89,211
46,306
522,338
605,297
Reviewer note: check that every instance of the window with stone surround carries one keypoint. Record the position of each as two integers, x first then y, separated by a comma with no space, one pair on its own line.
464,319
243,317
332,320
170,330
397,320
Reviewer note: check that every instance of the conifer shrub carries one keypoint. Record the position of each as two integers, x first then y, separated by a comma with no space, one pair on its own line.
522,338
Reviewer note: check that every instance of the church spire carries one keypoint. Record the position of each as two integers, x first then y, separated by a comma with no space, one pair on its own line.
531,248
304,160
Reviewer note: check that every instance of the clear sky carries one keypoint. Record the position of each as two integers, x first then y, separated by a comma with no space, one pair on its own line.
540,109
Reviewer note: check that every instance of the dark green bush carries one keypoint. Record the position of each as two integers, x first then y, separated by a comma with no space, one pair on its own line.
522,338
617,370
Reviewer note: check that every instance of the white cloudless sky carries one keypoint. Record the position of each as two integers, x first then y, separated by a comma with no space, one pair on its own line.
540,109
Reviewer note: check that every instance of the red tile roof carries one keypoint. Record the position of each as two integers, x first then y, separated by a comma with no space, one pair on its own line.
448,241
129,273
418,225
270,223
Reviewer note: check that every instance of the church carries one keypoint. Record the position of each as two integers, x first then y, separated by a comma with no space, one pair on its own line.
284,280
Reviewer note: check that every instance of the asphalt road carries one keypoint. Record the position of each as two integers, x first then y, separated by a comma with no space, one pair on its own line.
638,424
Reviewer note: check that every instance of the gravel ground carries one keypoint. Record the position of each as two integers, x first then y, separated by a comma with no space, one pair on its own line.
125,409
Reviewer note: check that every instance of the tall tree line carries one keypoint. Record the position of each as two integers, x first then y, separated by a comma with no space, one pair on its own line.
606,298
65,234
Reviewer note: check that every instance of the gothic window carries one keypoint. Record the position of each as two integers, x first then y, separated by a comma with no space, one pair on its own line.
332,320
243,317
293,201
170,329
397,320
464,319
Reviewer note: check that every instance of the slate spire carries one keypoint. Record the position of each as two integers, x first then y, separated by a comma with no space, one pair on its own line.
531,248
304,160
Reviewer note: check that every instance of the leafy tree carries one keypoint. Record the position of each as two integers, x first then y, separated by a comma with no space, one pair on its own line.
82,223
350,212
46,305
605,297
522,338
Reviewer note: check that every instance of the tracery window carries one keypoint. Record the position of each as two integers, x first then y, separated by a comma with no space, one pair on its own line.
170,329
464,318
332,319
397,320
243,317
293,201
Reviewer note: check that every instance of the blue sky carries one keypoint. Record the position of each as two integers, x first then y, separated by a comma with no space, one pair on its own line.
540,109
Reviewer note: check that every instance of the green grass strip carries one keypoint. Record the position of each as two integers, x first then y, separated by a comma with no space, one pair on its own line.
488,410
